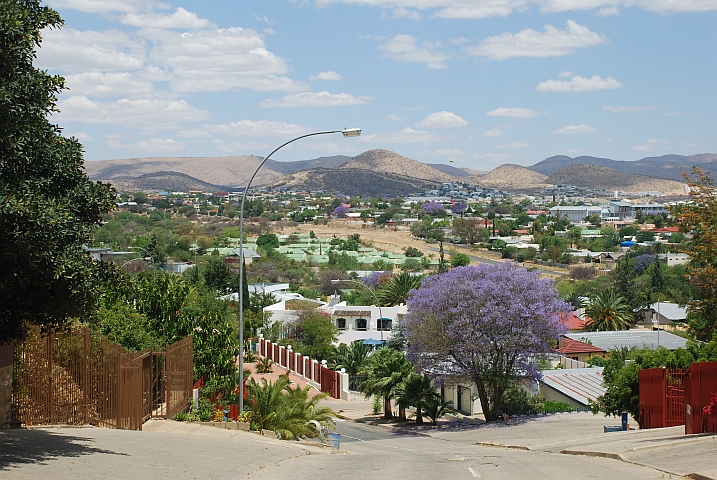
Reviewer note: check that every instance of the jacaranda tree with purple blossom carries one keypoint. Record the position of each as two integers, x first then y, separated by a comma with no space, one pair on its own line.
485,323
433,208
341,211
459,208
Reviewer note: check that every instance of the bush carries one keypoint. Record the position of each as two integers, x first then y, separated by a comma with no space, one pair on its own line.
520,402
582,273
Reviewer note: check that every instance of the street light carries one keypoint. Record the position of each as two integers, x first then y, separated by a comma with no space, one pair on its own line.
134,260
373,294
145,251
347,132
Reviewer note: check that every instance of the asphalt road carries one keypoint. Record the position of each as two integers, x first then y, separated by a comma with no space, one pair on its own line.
493,262
372,452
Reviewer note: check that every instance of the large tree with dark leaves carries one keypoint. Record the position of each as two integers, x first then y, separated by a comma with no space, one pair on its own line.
48,206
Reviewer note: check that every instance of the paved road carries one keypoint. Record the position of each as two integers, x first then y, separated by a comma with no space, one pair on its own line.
497,261
373,452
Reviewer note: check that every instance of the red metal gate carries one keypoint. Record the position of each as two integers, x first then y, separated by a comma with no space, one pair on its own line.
662,398
700,384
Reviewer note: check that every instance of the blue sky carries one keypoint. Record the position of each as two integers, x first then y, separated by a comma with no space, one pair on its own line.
477,83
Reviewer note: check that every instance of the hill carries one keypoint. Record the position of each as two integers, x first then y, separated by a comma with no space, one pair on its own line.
386,161
158,181
514,177
666,166
608,179
354,182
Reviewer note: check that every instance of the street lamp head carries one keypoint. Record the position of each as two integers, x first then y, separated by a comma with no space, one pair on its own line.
351,132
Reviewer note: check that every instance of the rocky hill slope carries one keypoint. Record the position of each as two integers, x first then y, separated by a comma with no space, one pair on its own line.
603,178
510,176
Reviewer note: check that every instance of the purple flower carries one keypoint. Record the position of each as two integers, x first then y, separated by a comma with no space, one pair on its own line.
432,207
376,279
485,323
459,208
341,211
642,262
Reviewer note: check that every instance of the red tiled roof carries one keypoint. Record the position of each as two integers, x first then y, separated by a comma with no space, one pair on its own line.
522,231
575,346
572,321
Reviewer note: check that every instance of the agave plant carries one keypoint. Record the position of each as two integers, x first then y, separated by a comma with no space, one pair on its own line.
264,365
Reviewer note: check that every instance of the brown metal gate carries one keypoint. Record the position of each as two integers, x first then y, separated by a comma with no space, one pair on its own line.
76,378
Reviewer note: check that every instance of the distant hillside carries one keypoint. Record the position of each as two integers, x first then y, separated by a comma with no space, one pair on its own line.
608,179
386,161
510,176
231,171
355,182
666,166
159,181
450,170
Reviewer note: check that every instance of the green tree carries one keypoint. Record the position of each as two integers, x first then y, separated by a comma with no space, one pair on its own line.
351,357
412,264
608,311
268,240
395,290
315,335
460,260
49,206
218,275
385,370
700,218
418,392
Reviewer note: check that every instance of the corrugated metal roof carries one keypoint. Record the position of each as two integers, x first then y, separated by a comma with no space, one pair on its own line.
630,338
580,384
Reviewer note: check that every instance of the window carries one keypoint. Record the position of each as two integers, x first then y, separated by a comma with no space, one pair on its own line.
361,324
384,324
341,323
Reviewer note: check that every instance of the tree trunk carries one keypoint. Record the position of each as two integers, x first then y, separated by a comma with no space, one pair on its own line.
419,416
387,413
484,401
401,412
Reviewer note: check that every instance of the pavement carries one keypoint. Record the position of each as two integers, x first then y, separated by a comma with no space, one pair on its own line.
562,446
667,450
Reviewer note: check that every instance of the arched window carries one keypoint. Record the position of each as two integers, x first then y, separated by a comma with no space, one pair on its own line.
361,324
341,323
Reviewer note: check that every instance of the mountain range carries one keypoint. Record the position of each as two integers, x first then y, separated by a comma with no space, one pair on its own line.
388,174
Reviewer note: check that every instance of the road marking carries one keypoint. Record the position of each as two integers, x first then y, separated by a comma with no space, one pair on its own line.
473,472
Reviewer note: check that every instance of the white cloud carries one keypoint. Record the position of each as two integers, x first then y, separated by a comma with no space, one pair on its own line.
330,75
551,42
626,108
402,12
514,112
660,6
566,74
80,51
574,129
494,132
512,145
651,144
608,12
405,48
442,119
154,145
216,60
472,9
579,84
449,152
96,84
81,136
255,128
181,18
144,113
407,135
314,99
395,117
672,114
107,6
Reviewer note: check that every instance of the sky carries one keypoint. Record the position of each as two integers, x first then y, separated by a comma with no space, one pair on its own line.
469,83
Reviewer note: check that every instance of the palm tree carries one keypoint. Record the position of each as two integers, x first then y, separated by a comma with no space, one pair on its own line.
416,391
608,311
351,357
385,370
286,410
395,291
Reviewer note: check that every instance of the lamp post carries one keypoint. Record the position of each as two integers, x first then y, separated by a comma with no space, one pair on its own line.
347,132
154,270
134,260
373,294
